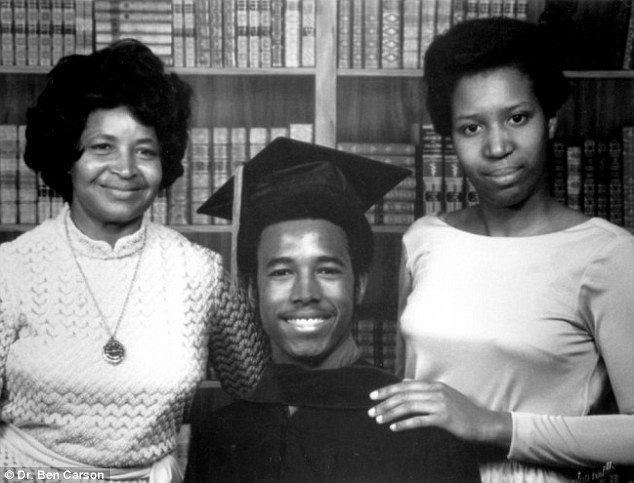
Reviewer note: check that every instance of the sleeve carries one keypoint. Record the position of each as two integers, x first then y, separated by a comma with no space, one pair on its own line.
607,303
8,320
404,289
237,345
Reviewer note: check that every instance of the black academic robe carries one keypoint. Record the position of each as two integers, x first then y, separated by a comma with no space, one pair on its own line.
330,438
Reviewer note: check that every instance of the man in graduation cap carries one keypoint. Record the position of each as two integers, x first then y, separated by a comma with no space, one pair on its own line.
304,251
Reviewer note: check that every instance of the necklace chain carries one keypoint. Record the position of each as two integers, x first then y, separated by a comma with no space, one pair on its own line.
113,359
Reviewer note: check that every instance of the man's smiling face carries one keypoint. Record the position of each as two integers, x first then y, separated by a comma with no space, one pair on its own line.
306,290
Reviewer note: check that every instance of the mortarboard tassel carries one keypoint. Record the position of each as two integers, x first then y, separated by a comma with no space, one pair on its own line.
235,224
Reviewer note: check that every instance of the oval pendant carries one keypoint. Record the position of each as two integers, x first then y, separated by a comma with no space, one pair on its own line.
113,351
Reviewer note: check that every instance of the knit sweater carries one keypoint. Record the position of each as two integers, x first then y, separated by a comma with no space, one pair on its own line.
56,385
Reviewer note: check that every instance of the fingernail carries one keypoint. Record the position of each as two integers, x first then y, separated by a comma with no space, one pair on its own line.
393,427
371,412
374,394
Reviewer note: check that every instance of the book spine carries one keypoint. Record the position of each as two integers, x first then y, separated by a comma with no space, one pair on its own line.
292,34
308,33
457,11
6,24
391,33
254,32
301,132
276,132
357,34
509,8
221,165
411,34
43,201
558,174
159,208
432,169
239,148
265,34
471,9
57,42
69,32
202,34
521,10
453,183
277,33
589,177
371,34
32,36
178,32
344,34
615,181
8,174
27,185
573,184
258,139
200,173
497,8
216,33
189,33
443,16
229,33
427,27
484,8
177,195
19,31
628,175
242,26
602,173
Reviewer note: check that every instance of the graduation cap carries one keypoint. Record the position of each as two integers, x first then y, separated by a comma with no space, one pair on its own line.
289,172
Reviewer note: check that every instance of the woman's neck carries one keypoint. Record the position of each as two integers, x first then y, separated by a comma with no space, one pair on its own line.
538,216
108,232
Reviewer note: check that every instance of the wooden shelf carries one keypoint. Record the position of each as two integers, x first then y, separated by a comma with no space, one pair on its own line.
398,229
311,71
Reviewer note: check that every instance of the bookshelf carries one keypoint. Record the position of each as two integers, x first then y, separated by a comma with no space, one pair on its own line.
359,105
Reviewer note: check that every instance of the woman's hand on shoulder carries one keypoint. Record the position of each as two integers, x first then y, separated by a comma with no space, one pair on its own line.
418,404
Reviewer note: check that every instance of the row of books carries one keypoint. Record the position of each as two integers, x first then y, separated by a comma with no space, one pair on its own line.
399,205
444,186
595,175
376,339
212,155
184,33
395,34
40,32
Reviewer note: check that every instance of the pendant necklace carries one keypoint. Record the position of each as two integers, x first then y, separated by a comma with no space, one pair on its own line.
113,351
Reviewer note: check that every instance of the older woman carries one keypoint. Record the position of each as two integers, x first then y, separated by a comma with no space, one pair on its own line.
105,317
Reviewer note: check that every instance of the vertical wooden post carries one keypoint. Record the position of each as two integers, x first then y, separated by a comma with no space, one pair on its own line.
326,73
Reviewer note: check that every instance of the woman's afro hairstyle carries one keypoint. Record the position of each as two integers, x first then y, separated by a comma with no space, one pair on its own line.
479,45
126,73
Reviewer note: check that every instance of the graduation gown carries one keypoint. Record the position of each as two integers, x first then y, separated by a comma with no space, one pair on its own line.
329,438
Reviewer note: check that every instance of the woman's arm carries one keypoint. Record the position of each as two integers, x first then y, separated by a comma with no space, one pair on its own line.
237,346
404,289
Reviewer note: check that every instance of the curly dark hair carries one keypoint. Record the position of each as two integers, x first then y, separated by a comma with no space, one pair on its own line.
478,45
126,73
327,206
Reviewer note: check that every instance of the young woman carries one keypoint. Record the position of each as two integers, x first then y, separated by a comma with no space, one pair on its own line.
105,317
517,314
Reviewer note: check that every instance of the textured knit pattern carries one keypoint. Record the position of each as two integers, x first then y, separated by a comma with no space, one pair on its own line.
56,385
532,325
